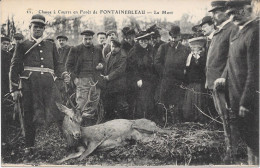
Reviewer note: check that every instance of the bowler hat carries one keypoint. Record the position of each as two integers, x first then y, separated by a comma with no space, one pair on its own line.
217,5
38,19
116,43
62,36
5,39
128,31
18,36
143,35
87,32
206,19
197,41
175,30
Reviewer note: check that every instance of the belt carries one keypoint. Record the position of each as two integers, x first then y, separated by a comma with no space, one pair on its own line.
39,69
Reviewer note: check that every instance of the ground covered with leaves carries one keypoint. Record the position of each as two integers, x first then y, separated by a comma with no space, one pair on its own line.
188,144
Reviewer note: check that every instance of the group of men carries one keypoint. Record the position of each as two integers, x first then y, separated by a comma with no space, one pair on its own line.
39,70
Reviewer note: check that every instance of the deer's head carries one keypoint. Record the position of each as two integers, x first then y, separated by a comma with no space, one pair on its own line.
71,121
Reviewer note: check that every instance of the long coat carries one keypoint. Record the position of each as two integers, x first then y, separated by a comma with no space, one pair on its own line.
218,53
39,90
115,69
75,57
142,67
243,80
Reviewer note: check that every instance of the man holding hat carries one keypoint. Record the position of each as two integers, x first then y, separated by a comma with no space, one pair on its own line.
33,71
85,63
114,75
5,67
242,76
18,38
216,62
170,63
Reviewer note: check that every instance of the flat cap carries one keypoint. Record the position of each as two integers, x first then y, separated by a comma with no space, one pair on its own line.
101,33
18,36
62,36
206,19
38,19
110,32
197,41
116,43
5,39
233,5
143,35
175,30
217,5
87,32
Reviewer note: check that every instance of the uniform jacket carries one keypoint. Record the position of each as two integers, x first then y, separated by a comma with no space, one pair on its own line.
243,68
75,57
115,69
44,55
218,53
39,90
170,61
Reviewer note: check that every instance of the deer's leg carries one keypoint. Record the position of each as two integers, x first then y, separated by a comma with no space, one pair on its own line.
91,147
81,149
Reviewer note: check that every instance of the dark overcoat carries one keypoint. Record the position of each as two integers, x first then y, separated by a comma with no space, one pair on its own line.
115,69
218,53
243,80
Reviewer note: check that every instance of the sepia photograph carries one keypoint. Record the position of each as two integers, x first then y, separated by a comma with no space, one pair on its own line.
130,83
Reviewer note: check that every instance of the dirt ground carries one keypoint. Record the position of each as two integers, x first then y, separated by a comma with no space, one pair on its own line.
189,144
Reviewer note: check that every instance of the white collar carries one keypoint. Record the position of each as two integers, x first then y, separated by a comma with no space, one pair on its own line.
223,24
244,25
211,35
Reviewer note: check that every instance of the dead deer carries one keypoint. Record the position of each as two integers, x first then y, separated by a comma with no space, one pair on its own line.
107,135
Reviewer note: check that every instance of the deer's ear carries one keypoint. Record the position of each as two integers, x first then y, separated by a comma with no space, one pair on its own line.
63,108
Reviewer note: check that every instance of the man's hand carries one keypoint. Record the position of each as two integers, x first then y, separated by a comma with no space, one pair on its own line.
139,83
105,77
243,111
16,95
99,66
67,78
219,83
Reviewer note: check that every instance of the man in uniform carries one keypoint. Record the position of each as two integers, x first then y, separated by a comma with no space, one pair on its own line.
5,67
216,62
242,76
170,61
34,68
85,63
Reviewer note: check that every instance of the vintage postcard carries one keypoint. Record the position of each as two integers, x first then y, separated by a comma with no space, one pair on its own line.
125,83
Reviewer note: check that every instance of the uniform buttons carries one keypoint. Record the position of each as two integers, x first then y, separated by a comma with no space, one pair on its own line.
41,58
40,51
42,66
